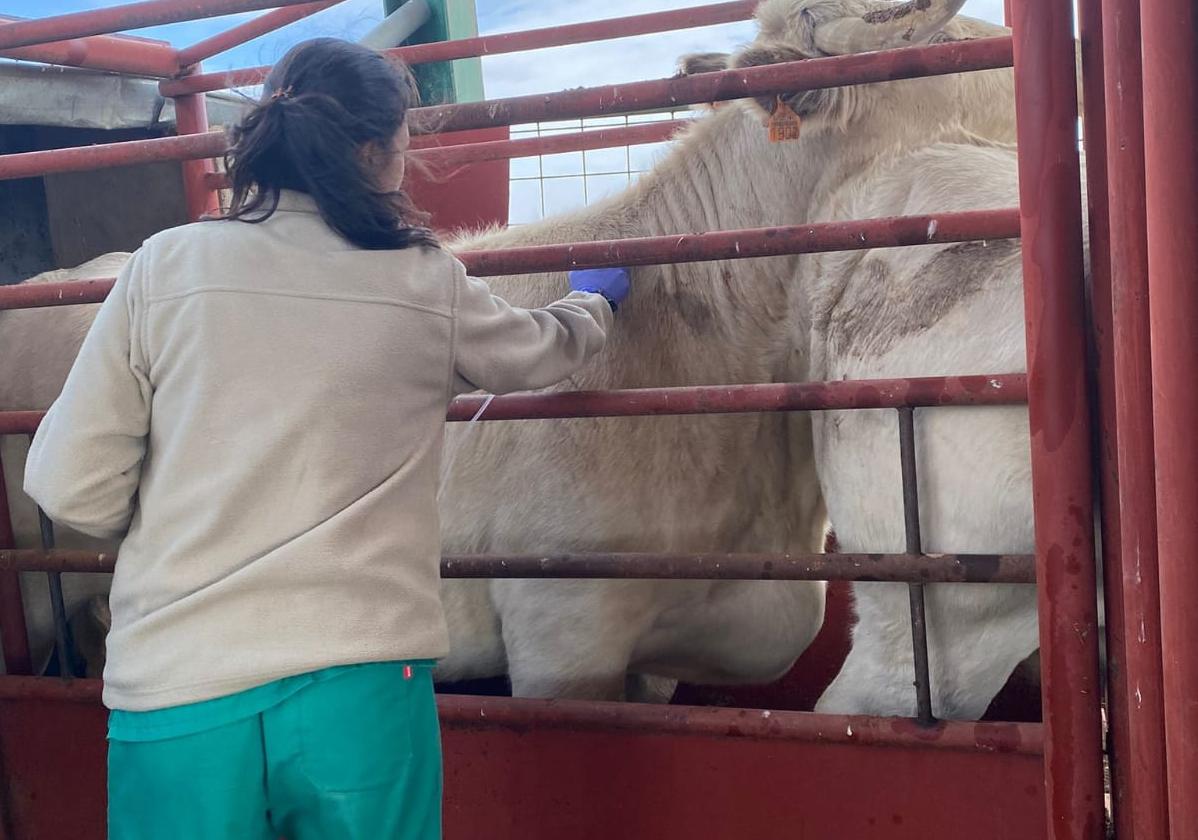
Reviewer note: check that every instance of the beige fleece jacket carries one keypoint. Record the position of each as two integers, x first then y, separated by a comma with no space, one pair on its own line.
257,413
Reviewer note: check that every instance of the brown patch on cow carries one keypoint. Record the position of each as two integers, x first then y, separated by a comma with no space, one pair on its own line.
877,308
895,12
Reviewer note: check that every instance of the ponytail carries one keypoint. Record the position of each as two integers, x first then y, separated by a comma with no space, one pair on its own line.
323,103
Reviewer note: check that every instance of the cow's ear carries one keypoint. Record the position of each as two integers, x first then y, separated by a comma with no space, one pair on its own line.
709,62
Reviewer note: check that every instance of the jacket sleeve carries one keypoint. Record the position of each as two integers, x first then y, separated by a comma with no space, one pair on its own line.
501,348
84,464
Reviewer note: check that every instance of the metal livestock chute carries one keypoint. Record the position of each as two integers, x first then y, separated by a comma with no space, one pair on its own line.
1108,363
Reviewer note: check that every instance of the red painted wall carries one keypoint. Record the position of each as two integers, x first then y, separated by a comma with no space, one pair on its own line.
550,783
462,197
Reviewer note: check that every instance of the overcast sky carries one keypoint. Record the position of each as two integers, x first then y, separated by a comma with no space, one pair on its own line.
605,62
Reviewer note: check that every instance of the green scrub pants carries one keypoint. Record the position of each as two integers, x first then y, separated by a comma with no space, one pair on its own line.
347,754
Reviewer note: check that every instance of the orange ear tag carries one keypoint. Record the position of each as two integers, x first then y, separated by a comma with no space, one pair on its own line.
784,123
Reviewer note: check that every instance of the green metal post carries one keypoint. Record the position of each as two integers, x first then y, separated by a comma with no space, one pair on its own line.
447,81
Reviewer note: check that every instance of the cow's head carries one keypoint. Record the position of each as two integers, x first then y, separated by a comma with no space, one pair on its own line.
792,30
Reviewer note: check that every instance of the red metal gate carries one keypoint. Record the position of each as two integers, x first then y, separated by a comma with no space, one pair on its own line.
550,769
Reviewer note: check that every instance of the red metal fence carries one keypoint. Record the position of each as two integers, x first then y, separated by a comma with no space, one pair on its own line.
1141,302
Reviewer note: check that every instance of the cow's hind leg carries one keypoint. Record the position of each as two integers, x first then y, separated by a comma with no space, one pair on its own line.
977,635
572,639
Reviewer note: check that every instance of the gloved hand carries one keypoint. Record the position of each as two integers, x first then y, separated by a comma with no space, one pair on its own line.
612,283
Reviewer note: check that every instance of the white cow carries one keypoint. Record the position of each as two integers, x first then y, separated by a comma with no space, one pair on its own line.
886,150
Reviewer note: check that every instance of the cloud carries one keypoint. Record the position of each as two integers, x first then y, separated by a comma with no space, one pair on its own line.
616,61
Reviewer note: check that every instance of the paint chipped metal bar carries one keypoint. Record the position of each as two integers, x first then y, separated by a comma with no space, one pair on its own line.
102,156
700,88
975,225
238,35
508,42
838,395
191,118
464,154
914,548
1059,415
117,54
721,86
1094,132
128,16
215,144
1136,707
949,568
583,715
1170,76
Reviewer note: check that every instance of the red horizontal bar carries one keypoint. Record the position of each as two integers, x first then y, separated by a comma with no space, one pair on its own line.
599,138
467,153
589,716
999,389
119,54
582,715
20,422
248,31
578,33
128,153
793,76
927,392
743,244
652,250
940,568
555,36
34,295
129,16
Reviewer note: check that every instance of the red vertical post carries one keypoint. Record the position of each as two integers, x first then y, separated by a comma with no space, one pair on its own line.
1095,142
1138,698
1170,76
13,633
191,117
1062,478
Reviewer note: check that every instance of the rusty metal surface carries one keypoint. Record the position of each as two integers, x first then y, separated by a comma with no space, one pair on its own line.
544,771
1136,697
811,74
943,568
122,54
839,395
914,547
128,153
794,76
462,154
191,118
237,35
1169,29
652,250
1054,299
507,42
1090,36
128,16
524,715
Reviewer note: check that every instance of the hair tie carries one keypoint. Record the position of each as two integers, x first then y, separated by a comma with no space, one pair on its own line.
281,93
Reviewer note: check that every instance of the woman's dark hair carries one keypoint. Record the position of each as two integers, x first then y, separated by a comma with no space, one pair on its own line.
321,105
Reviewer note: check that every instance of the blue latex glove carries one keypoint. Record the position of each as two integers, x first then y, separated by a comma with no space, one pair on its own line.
612,283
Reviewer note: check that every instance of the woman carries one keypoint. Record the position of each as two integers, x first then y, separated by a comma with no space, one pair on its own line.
257,413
